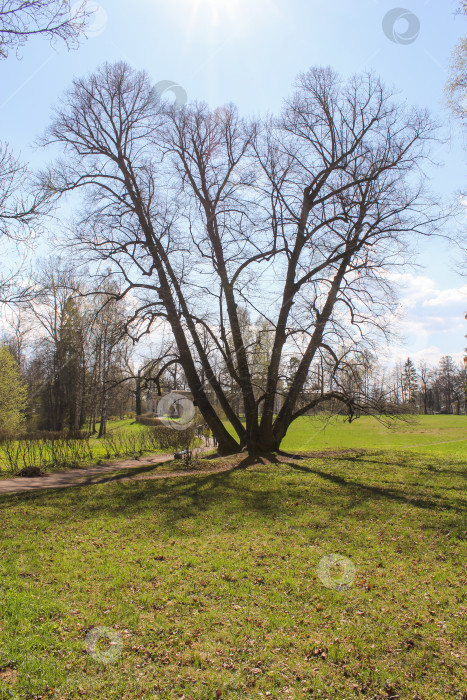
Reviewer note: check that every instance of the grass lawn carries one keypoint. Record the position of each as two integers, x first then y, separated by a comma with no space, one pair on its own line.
438,434
115,426
221,585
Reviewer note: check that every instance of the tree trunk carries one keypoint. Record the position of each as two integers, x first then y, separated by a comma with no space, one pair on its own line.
138,402
103,423
264,442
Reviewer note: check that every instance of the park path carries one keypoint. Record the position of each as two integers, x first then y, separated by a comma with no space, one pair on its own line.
87,475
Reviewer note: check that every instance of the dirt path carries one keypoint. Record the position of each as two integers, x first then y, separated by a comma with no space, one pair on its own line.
93,475
89,475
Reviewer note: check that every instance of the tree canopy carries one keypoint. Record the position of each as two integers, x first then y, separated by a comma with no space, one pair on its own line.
297,219
13,393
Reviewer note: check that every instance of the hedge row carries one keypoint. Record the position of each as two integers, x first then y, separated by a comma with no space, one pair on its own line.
58,451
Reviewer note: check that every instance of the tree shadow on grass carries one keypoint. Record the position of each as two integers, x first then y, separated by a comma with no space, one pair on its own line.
405,460
233,494
183,497
412,497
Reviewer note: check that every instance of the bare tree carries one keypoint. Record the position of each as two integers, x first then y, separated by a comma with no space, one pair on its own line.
18,330
456,87
54,19
22,206
456,93
202,214
109,342
61,342
424,374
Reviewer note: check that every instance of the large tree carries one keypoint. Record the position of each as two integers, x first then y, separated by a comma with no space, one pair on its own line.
109,349
456,87
456,91
203,215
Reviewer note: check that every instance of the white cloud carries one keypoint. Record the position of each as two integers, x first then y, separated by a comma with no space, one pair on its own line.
430,354
415,289
448,296
431,320
412,288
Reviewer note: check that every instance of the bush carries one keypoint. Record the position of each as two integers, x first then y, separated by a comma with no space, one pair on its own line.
149,419
47,451
175,440
125,443
13,394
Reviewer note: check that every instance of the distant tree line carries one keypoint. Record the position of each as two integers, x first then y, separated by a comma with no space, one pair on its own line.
441,388
74,358
68,365
406,387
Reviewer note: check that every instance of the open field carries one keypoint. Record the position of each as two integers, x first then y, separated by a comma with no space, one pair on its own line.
437,434
212,584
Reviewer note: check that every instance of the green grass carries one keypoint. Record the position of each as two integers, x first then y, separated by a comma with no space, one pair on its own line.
114,426
437,434
97,446
211,583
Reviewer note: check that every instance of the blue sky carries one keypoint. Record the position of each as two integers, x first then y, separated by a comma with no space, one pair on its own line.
248,52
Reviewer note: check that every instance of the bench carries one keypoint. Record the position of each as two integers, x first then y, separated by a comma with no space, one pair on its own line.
183,454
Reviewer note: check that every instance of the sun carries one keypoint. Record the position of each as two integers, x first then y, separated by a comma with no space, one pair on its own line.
228,14
212,21
216,12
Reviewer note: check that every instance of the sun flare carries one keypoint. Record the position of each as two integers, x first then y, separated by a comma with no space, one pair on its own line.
217,11
227,14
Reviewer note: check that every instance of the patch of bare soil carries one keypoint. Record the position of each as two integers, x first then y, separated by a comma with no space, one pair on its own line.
206,465
211,464
31,472
8,674
196,465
